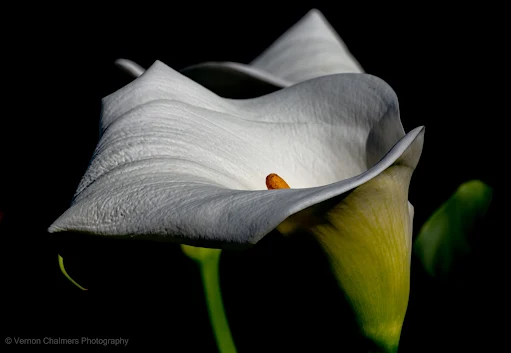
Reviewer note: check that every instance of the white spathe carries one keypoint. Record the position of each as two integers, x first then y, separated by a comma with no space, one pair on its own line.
309,49
177,162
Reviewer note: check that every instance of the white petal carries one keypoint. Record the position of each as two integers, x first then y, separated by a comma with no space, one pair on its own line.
177,162
311,48
227,79
317,133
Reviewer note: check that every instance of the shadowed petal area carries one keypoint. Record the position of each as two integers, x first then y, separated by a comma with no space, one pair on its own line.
311,48
234,80
177,162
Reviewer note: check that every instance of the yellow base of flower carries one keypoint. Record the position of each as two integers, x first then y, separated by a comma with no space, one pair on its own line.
366,235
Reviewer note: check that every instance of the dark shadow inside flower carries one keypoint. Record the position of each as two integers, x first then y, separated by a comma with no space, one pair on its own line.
230,83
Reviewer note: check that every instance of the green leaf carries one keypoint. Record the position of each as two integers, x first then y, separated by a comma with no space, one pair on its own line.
445,238
61,265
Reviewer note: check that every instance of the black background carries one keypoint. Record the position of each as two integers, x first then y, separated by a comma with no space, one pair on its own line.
278,295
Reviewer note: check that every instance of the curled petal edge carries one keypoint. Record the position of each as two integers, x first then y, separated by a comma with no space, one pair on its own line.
257,212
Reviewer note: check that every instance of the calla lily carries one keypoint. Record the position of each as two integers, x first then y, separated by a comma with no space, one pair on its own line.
176,162
309,49
444,238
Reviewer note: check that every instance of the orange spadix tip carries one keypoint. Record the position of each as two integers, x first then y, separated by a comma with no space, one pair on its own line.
273,181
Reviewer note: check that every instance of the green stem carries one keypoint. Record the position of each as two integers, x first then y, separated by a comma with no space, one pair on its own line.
209,269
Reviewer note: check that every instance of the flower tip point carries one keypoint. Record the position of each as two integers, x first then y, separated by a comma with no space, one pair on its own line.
315,12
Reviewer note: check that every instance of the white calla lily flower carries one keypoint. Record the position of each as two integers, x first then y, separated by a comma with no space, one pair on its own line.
177,162
309,49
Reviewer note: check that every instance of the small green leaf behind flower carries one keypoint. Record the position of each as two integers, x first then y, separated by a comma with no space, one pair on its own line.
445,237
61,265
